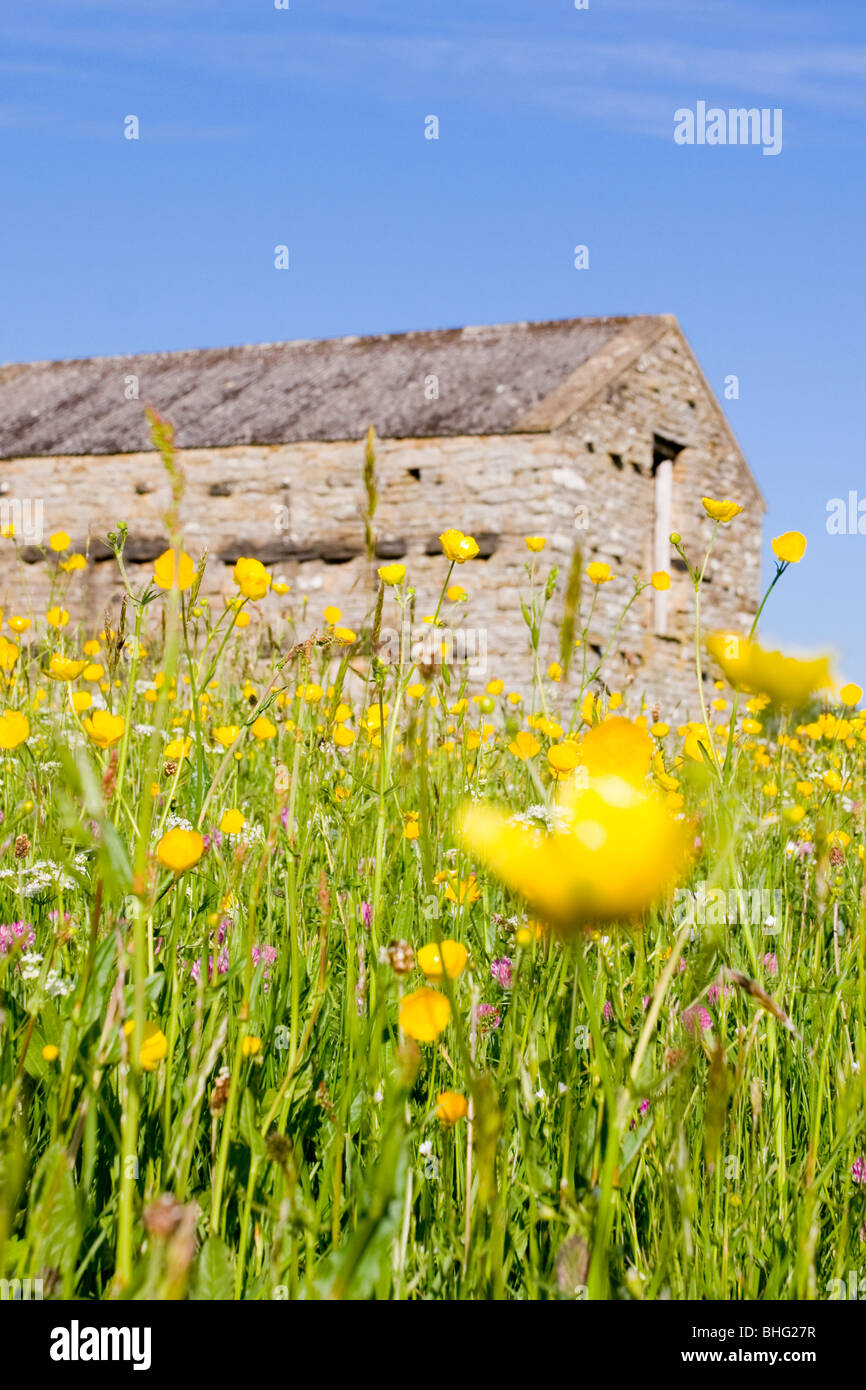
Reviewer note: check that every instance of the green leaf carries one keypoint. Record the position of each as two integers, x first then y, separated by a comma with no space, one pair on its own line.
214,1279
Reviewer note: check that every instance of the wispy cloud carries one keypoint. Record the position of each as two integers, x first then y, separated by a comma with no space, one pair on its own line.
630,82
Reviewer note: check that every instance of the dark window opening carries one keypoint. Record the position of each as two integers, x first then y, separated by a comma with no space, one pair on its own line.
665,449
338,557
391,548
488,542
617,460
414,473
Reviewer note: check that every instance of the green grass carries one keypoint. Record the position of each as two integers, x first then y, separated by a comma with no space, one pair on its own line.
608,1151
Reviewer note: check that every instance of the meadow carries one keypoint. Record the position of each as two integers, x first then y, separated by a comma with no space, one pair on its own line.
324,976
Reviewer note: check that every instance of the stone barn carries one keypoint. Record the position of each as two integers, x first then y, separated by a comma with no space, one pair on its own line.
599,433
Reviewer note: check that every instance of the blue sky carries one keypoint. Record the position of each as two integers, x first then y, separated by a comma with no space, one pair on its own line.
305,126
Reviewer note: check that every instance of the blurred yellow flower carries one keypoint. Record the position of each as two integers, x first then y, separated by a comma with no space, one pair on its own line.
392,574
65,668
104,728
466,890
616,849
785,679
554,671
535,543
59,541
661,580
226,734
19,624
720,511
430,959
178,747
525,745
154,1045
563,757
14,728
525,936
251,1045
456,593
262,728
251,577
451,1107
332,615
232,822
173,571
74,562
179,849
373,717
457,547
617,748
51,1052
789,547
598,572
849,694
662,777
424,1014
695,739
57,617
9,654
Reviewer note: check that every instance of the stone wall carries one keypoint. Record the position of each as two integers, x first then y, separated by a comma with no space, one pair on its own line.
299,507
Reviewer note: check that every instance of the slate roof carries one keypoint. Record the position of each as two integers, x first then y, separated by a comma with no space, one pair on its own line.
491,380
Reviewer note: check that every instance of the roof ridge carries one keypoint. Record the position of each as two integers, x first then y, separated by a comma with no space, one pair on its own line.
469,329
